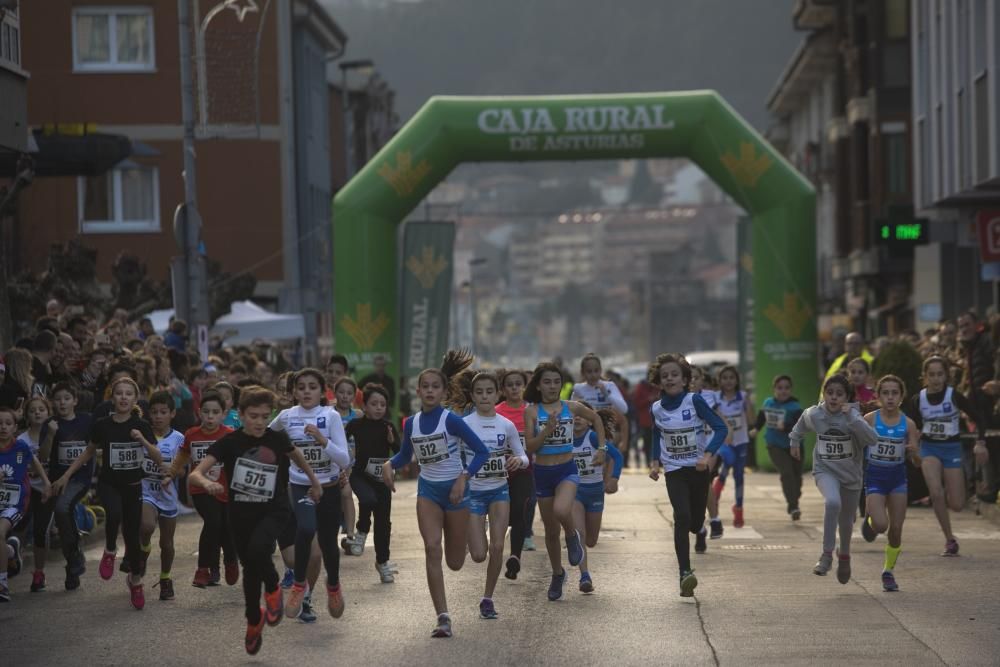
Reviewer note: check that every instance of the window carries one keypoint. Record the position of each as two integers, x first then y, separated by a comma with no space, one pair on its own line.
897,22
10,38
895,158
124,200
981,122
113,39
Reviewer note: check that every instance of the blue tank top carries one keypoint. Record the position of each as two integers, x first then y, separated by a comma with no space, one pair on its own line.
561,440
889,450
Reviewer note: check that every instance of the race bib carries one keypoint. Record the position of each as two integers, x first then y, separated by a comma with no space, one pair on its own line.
775,418
151,470
253,481
495,467
834,447
585,467
431,449
126,455
199,450
10,495
70,451
940,430
315,455
562,434
887,450
735,423
681,444
374,468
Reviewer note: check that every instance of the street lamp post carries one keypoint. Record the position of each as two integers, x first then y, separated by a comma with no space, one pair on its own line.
474,262
365,64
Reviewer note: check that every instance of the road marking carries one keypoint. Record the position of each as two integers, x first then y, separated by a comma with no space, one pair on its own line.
756,547
744,533
977,534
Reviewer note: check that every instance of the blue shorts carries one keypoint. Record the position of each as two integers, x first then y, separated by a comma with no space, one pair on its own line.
480,501
163,513
948,453
438,492
885,480
547,478
591,496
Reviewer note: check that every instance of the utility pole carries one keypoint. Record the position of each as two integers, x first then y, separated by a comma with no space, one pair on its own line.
189,275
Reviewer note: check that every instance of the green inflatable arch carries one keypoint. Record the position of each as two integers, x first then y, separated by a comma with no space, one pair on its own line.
698,125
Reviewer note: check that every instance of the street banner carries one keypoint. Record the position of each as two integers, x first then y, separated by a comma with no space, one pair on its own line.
425,281
988,226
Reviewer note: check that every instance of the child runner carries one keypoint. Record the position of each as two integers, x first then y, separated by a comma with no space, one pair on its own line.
16,458
70,441
885,477
124,438
318,433
376,439
215,537
779,414
159,500
936,410
736,408
595,481
600,393
859,373
41,431
433,434
679,448
256,461
231,395
489,494
548,425
724,458
344,392
521,482
841,436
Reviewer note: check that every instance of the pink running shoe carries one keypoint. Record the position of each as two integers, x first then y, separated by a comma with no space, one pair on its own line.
107,568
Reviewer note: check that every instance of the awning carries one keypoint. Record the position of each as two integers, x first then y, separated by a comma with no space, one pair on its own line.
70,155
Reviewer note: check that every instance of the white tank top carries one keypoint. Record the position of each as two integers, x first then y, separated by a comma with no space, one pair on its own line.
682,434
734,412
437,452
941,421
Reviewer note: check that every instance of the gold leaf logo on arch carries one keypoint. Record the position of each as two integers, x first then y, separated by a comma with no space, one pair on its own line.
748,167
427,267
362,328
405,176
791,318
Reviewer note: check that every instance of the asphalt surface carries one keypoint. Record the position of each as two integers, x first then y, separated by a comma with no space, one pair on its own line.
757,602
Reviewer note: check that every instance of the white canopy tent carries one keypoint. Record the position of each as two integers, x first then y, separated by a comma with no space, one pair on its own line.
248,320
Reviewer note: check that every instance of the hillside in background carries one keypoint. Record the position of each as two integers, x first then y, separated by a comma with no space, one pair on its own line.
483,47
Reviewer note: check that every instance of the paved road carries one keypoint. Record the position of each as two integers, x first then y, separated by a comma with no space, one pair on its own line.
758,603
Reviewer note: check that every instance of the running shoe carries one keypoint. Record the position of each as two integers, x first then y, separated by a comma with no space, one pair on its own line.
529,544
487,610
79,564
107,568
574,550
72,579
255,636
700,544
232,573
586,583
385,573
889,584
716,526
443,629
950,548
4,593
293,605
37,582
867,531
166,588
556,586
796,514
688,583
513,567
201,577
737,517
274,606
214,576
135,595
843,568
358,545
14,562
824,564
717,487
307,615
335,600
347,544
288,579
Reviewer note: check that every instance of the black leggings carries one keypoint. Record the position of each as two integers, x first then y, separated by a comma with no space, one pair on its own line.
65,513
122,503
791,475
254,534
522,490
215,534
41,518
321,521
374,498
687,489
